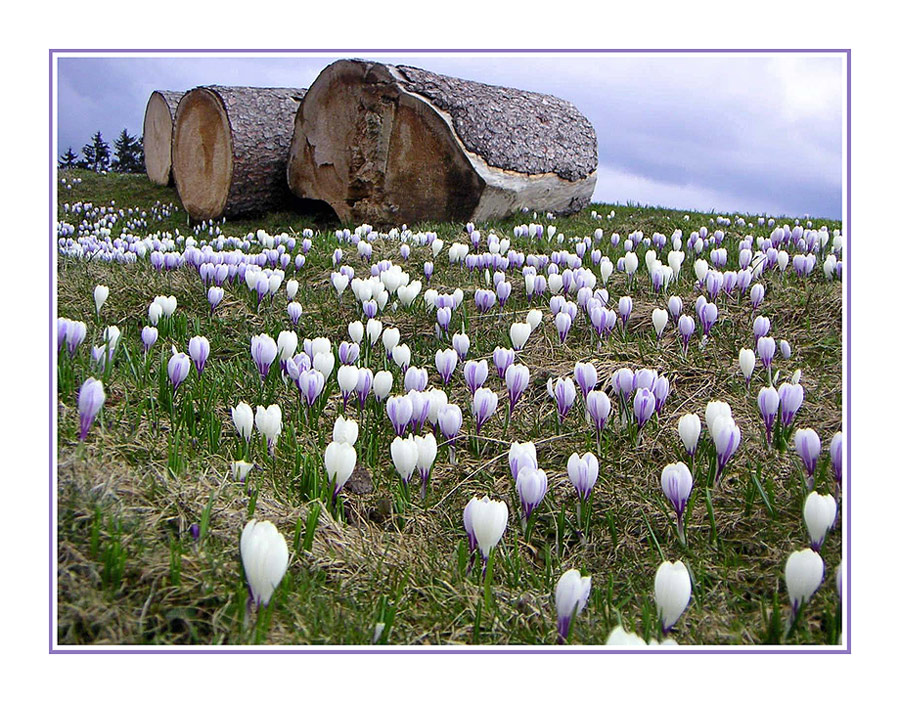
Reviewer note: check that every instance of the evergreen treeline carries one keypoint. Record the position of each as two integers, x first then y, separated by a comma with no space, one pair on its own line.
126,155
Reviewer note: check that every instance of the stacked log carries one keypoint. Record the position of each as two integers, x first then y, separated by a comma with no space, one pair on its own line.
390,144
230,149
158,120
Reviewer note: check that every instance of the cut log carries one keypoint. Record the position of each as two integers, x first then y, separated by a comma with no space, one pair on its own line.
230,148
158,120
397,144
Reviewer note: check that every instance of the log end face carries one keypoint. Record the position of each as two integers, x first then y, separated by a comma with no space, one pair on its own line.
158,140
202,156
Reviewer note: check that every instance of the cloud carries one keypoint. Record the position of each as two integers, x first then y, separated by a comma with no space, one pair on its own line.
759,133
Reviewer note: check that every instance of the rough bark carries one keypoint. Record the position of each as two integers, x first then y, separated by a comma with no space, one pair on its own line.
389,144
158,120
230,148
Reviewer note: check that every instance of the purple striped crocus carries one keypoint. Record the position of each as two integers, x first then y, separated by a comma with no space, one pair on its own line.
709,313
677,483
503,359
484,405
522,456
598,408
726,436
416,378
91,398
791,395
399,411
768,401
475,373
263,349
623,384
364,385
198,348
808,446
585,377
445,361
761,326
531,485
563,324
563,392
517,377
686,327
311,384
644,406
583,472
836,450
765,347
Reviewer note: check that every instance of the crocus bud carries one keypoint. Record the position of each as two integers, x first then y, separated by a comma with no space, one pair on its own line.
517,377
475,373
689,430
214,296
91,398
598,408
390,338
644,406
346,431
484,405
522,456
503,359
518,334
585,377
572,591
727,436
240,469
426,448
450,421
461,345
355,329
101,293
340,461
178,368
531,485
263,350
819,514
686,328
837,459
401,354
672,588
198,347
747,361
785,349
676,483
242,416
808,446
803,574
382,384
445,361
268,423
583,471
264,554
534,318
659,317
154,312
373,331
489,518
149,335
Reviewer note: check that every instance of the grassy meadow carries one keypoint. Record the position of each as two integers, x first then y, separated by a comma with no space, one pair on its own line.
155,463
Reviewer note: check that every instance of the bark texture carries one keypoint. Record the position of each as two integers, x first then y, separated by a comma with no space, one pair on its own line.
389,144
159,118
230,149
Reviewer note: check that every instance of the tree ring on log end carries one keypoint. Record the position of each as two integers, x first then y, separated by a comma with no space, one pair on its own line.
202,154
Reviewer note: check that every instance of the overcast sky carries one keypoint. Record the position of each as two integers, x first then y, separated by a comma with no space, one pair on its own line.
758,134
